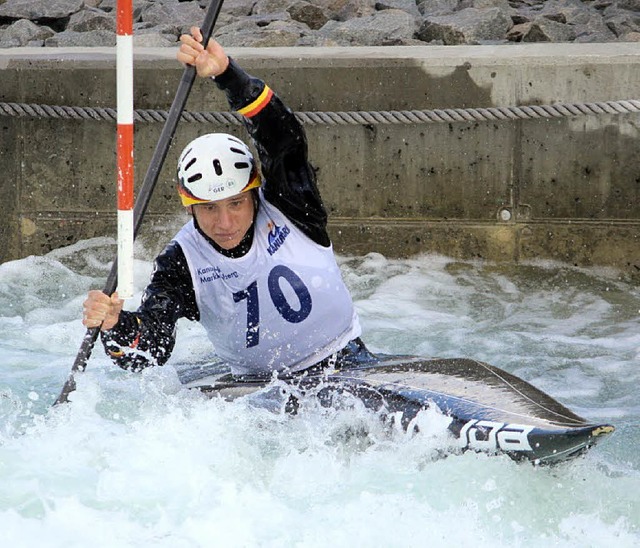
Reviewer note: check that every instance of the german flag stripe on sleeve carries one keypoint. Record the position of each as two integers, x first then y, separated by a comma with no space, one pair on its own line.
256,106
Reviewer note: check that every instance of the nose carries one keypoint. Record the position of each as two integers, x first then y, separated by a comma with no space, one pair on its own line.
224,219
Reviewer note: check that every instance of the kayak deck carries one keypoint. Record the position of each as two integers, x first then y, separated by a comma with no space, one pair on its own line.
491,410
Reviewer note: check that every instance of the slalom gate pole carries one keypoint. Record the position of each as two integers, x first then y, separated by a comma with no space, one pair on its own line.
124,83
144,196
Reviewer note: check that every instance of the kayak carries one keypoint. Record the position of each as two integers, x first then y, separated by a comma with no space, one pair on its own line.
491,410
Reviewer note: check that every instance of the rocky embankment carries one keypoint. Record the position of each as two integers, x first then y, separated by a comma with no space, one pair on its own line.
259,23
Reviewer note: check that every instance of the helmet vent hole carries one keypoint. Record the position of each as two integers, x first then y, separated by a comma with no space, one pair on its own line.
237,151
241,165
191,162
217,167
195,178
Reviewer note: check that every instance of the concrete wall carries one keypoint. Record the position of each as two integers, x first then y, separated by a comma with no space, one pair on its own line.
571,186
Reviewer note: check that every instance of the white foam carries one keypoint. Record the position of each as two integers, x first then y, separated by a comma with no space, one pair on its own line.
136,461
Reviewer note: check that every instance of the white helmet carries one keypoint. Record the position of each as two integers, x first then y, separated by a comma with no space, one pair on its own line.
214,167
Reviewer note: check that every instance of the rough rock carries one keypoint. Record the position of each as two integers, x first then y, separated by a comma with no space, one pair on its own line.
405,5
183,15
92,38
469,26
541,30
437,7
35,10
91,19
154,37
304,12
24,33
388,27
323,22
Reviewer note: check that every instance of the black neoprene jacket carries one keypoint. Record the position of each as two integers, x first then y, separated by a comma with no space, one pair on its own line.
147,336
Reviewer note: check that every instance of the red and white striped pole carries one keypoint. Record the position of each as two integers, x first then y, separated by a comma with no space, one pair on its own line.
124,84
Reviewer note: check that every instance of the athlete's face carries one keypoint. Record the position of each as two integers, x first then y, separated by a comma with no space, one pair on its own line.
226,221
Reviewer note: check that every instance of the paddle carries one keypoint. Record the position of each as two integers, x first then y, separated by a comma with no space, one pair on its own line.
144,197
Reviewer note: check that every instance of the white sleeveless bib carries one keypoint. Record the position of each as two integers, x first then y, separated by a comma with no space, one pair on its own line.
281,307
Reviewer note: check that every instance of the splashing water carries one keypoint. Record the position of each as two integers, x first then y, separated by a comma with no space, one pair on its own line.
134,460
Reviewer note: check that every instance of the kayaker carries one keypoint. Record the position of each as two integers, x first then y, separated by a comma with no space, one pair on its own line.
254,264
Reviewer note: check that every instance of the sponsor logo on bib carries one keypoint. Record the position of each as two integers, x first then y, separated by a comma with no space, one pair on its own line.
276,237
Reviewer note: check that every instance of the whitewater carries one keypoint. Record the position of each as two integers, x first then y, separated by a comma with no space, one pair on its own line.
134,460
